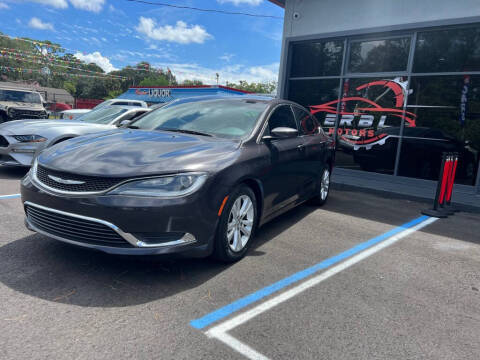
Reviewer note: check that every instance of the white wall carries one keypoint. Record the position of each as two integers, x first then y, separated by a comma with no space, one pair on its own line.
330,16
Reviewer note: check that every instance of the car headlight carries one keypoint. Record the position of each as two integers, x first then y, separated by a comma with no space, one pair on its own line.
165,186
29,138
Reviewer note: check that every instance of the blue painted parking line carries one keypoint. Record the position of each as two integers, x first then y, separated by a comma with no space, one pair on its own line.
14,196
268,290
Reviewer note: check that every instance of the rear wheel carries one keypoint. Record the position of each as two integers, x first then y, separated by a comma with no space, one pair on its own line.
3,118
323,188
237,225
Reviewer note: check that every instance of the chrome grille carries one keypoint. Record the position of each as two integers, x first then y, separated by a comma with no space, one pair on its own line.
90,183
19,113
3,142
74,228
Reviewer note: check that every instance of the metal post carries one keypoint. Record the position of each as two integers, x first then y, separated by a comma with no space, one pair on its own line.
477,182
405,101
435,212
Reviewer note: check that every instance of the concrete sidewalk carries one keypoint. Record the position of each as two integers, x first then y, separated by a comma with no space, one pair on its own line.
464,197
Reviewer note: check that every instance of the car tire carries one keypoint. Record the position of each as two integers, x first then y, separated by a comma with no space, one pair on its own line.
231,241
3,118
323,189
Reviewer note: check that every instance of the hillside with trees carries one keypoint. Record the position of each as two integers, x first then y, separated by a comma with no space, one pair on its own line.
49,64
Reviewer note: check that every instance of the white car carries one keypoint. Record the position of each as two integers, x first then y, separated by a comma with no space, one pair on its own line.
124,102
73,114
22,140
76,113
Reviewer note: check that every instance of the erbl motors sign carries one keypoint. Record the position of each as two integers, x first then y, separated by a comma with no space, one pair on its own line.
362,126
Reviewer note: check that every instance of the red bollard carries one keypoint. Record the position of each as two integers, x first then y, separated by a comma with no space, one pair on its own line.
451,182
442,187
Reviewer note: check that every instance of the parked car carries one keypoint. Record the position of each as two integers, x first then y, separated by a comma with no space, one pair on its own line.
21,104
76,113
123,102
22,140
73,114
193,177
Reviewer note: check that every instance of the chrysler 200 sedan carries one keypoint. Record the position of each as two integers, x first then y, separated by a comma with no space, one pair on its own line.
195,177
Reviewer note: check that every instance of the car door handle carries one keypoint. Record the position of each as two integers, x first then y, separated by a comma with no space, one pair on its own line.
301,147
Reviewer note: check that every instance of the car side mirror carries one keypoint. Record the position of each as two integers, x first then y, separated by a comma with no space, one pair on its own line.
125,123
284,133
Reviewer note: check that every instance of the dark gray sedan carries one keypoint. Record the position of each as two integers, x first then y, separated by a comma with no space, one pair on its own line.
196,177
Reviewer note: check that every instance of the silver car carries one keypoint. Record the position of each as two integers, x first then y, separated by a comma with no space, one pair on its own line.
22,140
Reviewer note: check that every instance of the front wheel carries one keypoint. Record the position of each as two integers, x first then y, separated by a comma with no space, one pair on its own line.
323,188
237,225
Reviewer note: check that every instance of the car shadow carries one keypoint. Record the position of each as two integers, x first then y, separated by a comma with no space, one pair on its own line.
58,272
12,173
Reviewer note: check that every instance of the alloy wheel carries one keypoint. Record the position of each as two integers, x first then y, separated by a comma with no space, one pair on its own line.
240,223
325,185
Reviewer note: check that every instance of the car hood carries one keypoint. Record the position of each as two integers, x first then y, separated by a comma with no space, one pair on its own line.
41,127
22,105
135,153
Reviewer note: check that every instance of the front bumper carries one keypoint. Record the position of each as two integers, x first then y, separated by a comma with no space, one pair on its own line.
135,220
18,154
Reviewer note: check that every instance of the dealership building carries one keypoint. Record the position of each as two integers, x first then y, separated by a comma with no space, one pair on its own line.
397,83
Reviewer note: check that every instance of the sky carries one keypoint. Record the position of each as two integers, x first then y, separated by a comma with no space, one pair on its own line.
194,45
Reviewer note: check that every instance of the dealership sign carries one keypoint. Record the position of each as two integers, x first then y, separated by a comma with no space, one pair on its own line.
154,93
362,128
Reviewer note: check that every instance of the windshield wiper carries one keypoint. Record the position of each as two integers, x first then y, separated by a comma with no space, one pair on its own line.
185,131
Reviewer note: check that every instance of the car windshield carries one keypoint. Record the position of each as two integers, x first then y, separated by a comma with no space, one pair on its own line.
102,116
102,105
20,96
232,119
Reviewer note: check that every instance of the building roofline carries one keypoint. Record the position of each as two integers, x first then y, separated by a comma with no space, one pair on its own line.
280,3
191,87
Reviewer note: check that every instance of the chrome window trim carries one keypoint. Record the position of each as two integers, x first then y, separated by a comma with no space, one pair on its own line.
132,240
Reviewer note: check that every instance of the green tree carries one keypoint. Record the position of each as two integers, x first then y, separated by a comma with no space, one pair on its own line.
258,88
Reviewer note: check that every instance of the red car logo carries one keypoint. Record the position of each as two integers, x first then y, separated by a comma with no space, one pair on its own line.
356,128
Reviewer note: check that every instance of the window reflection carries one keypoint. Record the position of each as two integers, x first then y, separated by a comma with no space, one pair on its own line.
448,50
317,59
379,55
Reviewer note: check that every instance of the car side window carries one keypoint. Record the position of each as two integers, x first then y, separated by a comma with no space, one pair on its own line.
122,103
134,104
307,125
282,117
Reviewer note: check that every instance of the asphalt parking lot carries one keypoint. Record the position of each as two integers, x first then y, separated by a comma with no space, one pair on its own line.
416,298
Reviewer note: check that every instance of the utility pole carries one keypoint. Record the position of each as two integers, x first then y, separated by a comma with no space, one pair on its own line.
218,76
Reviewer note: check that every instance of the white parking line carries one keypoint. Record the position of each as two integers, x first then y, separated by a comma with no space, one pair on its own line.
220,332
13,196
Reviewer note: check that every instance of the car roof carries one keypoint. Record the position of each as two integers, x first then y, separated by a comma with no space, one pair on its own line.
128,107
257,98
15,89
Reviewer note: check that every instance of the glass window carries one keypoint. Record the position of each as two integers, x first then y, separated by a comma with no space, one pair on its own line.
282,117
102,115
447,119
369,114
379,55
233,119
307,125
313,92
448,50
316,58
20,96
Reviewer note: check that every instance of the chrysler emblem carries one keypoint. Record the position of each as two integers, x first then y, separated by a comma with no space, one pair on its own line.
66,182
